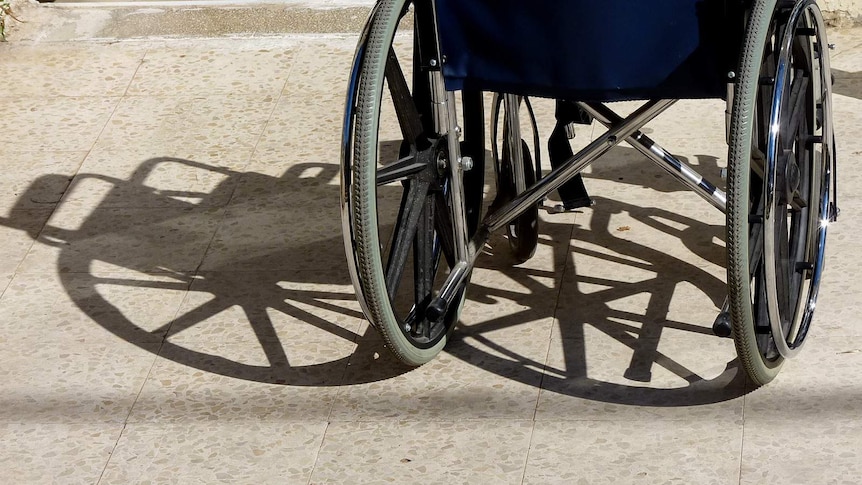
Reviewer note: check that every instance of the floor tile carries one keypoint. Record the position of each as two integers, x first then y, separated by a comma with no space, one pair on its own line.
249,306
800,452
72,123
267,381
698,451
814,388
56,453
72,382
162,124
319,65
306,128
98,69
147,179
515,302
78,239
226,66
18,232
475,378
836,313
269,227
428,452
74,308
614,376
204,453
35,180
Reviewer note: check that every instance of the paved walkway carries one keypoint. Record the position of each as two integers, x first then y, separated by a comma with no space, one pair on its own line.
175,305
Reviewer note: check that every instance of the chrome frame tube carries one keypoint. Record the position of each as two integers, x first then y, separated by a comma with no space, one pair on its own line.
655,153
456,179
560,175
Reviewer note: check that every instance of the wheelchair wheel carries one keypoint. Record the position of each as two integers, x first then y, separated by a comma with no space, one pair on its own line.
779,193
523,232
396,212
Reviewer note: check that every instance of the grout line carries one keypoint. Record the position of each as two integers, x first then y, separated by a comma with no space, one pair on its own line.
529,447
129,414
317,455
745,393
68,188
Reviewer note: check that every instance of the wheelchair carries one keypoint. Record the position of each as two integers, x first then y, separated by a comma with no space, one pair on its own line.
413,147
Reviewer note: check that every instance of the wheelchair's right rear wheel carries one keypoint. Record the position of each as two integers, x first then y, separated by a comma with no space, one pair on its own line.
396,191
779,184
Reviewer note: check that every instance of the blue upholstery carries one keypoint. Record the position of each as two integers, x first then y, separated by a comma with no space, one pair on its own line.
588,50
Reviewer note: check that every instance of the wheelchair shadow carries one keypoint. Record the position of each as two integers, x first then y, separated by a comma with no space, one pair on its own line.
847,83
276,274
265,286
650,350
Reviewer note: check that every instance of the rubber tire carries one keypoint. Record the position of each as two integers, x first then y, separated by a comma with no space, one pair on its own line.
745,337
363,199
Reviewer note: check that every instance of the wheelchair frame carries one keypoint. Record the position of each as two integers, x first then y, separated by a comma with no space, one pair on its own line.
449,173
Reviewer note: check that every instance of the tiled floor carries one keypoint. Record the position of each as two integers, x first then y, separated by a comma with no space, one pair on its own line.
176,308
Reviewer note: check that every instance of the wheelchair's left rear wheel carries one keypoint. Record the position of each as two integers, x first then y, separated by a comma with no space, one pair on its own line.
398,221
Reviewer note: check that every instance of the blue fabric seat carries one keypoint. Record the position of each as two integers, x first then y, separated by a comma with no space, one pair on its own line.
590,50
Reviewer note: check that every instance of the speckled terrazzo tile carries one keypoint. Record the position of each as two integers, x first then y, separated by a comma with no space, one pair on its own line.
276,177
97,69
474,378
667,374
816,387
162,123
802,452
838,306
515,302
704,452
55,453
72,382
846,54
17,233
250,306
279,225
425,452
51,124
306,128
269,380
225,66
79,307
321,66
35,180
156,178
123,240
205,453
643,266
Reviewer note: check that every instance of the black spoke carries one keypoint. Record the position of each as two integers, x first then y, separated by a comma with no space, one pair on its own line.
797,109
405,231
403,168
443,224
424,265
405,108
783,264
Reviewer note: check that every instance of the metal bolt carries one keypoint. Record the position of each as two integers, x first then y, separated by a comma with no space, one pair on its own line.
433,62
407,327
466,163
731,75
441,163
831,46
